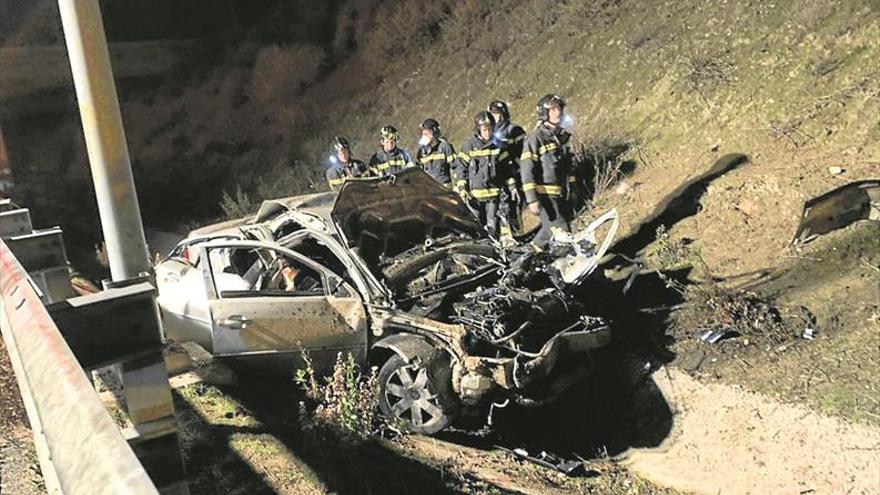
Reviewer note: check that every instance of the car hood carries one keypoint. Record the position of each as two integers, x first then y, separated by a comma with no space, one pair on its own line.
392,214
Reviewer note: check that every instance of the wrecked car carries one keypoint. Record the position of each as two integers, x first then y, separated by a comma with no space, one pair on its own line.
400,273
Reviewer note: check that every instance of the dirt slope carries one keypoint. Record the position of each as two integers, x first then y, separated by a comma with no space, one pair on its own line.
728,440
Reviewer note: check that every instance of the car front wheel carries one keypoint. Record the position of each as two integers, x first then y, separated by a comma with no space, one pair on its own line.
408,397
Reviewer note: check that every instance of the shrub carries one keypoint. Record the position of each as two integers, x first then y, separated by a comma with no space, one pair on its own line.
239,206
346,404
669,253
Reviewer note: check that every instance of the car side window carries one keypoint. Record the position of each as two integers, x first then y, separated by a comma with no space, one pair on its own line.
188,254
317,251
260,272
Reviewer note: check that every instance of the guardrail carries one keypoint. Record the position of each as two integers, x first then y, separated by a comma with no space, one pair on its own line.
81,450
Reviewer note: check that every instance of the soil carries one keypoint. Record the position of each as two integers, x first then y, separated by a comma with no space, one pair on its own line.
729,440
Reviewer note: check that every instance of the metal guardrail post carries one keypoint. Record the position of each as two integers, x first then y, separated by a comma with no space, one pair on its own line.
81,450
145,381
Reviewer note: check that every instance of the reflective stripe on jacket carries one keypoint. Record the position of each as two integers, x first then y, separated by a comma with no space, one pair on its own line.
383,164
339,172
480,163
438,161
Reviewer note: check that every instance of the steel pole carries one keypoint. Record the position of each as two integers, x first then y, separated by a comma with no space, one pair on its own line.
105,138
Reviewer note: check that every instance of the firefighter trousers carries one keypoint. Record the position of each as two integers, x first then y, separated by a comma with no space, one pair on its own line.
553,218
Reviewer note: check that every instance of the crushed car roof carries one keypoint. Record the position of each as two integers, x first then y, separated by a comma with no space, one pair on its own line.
319,205
402,209
389,212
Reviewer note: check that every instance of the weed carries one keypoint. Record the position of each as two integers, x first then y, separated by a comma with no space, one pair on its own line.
239,206
669,253
705,73
305,377
346,406
602,166
790,131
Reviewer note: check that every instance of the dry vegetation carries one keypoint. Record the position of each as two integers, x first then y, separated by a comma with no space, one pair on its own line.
342,408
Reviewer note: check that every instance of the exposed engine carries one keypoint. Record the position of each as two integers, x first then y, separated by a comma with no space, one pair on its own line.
498,315
510,301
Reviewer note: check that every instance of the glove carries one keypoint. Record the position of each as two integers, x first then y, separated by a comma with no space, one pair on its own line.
515,195
465,195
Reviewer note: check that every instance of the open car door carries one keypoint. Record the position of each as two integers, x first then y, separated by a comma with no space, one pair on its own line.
270,302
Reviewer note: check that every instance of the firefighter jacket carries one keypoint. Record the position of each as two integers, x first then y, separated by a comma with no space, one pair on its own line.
438,161
383,164
339,172
480,162
545,162
510,137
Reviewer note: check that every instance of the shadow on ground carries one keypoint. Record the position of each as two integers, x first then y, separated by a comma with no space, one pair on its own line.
370,467
213,467
681,203
620,407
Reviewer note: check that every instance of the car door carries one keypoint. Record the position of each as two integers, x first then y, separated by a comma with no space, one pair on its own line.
253,316
182,297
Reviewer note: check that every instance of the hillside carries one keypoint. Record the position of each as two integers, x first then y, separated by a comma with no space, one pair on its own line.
730,115
792,85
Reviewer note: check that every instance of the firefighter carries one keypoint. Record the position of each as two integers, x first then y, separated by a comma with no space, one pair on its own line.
343,166
544,166
511,137
389,159
480,158
435,155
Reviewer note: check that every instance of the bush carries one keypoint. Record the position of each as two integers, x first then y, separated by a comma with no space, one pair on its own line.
668,252
400,27
239,206
346,404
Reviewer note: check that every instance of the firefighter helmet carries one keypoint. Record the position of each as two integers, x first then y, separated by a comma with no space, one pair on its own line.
389,132
498,106
546,103
431,125
484,118
340,143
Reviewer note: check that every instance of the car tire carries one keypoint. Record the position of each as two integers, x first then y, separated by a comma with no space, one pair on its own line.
409,398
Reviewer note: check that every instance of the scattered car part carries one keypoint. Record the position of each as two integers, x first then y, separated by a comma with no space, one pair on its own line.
632,277
715,336
568,467
838,208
